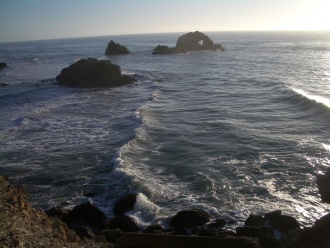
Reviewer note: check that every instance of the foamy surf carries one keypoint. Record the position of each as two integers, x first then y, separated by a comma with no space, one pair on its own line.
317,98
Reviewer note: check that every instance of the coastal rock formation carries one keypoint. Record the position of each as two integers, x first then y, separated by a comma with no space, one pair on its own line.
196,41
3,65
114,48
91,72
323,184
193,41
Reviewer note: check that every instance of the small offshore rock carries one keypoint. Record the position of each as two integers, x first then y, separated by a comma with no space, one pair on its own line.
114,48
125,204
190,218
323,184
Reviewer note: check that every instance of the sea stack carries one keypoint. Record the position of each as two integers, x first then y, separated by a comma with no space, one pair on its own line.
114,48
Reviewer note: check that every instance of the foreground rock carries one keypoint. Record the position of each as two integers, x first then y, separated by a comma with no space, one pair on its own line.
125,204
114,48
3,65
323,184
23,226
190,218
193,41
87,73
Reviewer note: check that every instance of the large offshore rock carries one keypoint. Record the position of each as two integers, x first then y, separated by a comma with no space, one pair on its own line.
196,41
89,73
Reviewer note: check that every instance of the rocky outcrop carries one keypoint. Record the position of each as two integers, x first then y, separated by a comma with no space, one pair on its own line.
114,48
323,184
3,65
193,41
87,73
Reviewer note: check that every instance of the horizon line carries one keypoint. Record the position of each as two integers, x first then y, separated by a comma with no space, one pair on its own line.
210,31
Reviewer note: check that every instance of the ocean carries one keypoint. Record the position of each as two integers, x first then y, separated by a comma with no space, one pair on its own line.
239,132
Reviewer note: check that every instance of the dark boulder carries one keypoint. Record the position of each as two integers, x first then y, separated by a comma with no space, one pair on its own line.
116,49
265,235
283,223
323,184
272,214
193,41
93,73
255,220
3,65
190,218
125,204
123,223
86,215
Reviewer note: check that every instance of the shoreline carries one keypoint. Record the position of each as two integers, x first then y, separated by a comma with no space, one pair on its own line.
87,226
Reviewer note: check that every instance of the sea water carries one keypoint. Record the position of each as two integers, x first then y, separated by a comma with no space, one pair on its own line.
239,132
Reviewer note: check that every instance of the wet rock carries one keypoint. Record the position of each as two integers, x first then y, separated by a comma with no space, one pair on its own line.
190,218
323,184
219,223
93,73
112,235
283,223
86,215
123,223
3,65
264,234
255,220
125,204
114,48
272,214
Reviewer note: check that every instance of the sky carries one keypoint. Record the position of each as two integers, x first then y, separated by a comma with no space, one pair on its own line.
51,19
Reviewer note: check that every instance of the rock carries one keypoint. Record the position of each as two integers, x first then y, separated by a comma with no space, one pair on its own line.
264,234
93,73
87,215
116,49
272,214
219,223
85,232
3,65
283,223
196,41
59,212
190,218
155,229
125,204
323,184
112,235
160,49
255,220
193,41
124,223
3,84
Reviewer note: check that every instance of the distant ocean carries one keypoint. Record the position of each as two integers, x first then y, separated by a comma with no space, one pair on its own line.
239,132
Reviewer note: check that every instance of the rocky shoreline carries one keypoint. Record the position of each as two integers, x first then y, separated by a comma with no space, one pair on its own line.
87,226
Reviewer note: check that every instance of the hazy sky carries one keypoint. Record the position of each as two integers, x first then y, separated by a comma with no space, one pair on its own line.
48,19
